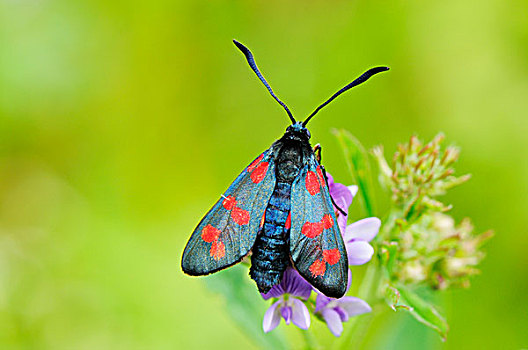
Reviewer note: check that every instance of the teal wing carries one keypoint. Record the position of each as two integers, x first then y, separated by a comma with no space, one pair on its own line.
316,245
228,231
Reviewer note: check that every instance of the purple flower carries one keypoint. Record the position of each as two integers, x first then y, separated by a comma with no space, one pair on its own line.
337,311
288,306
358,234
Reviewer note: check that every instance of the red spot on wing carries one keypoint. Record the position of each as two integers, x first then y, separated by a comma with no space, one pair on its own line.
229,203
331,256
254,164
240,216
312,229
320,176
260,172
210,233
262,220
312,184
318,268
327,221
287,225
217,250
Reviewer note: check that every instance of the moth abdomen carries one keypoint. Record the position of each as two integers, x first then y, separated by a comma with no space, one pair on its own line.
271,250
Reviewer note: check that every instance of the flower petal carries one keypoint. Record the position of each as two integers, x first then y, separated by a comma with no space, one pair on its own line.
300,314
342,195
291,283
333,321
286,312
321,301
341,222
342,313
353,189
275,292
364,230
354,306
294,284
330,179
271,317
359,252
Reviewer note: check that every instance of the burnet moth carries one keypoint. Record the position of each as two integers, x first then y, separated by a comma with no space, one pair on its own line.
279,211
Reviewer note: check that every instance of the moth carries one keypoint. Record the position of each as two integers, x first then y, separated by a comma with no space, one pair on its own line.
279,211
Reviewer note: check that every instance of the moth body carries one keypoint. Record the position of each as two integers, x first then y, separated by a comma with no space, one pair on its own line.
271,250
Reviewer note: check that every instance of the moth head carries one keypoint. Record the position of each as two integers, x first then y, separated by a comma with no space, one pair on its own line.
298,132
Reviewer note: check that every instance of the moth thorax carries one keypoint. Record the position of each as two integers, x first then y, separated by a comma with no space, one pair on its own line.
288,164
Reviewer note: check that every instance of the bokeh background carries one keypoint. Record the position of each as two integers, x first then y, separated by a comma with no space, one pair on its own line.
122,122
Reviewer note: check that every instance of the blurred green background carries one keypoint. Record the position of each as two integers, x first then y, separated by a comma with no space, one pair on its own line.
122,122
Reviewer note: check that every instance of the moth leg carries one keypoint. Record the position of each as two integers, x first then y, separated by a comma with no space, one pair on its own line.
331,198
317,152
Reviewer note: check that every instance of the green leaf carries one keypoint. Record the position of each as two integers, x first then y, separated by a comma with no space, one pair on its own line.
245,306
357,160
424,312
392,296
388,257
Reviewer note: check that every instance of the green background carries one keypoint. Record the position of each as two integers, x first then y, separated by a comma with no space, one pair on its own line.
122,122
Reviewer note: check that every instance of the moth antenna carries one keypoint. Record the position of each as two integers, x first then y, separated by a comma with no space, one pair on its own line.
251,61
363,78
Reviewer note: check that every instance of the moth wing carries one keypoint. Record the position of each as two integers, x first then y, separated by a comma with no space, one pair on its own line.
228,231
316,245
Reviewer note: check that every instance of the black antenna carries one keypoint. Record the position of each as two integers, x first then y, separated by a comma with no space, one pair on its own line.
363,78
253,65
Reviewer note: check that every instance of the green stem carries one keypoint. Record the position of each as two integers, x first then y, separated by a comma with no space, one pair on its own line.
368,291
309,340
369,287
